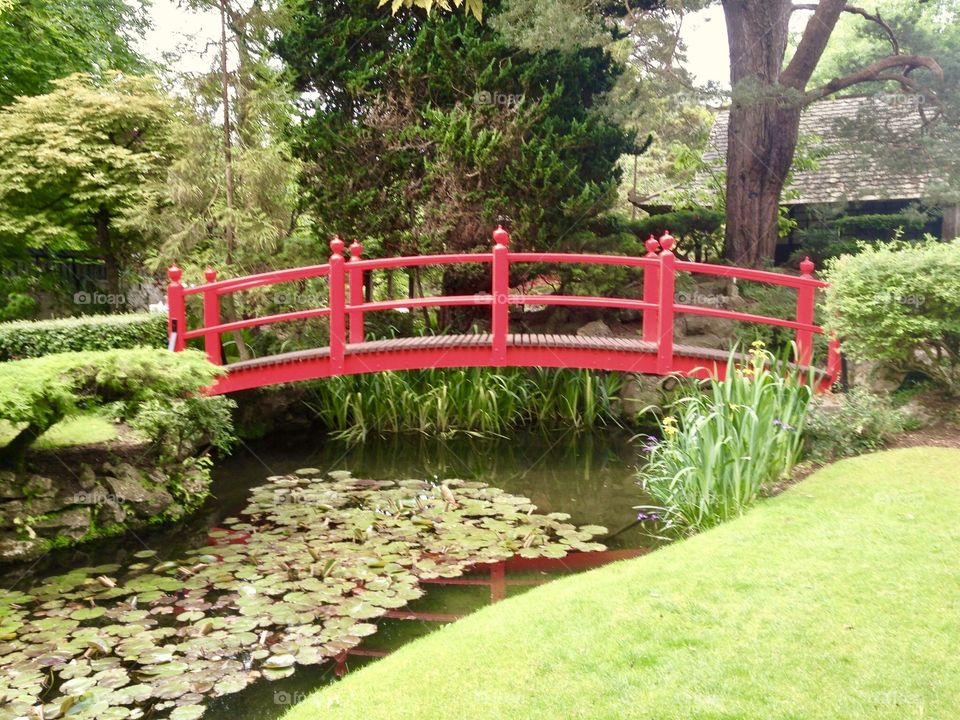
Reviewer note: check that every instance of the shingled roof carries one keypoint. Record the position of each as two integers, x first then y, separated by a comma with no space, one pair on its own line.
847,170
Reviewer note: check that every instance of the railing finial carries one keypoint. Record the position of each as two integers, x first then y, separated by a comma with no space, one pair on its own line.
807,266
336,246
501,236
667,241
652,245
356,250
174,273
210,274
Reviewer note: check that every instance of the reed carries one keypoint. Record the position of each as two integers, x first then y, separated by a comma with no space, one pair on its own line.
724,441
476,401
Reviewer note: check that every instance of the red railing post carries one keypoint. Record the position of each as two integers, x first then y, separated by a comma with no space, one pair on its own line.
501,294
805,307
211,318
356,294
176,311
337,303
651,291
665,302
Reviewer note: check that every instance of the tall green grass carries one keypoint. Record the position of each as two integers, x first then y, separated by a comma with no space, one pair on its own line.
468,400
724,441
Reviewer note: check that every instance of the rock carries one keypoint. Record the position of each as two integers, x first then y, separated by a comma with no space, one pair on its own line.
597,328
127,484
17,549
640,392
877,377
111,513
39,486
87,478
10,487
917,414
73,523
155,502
10,510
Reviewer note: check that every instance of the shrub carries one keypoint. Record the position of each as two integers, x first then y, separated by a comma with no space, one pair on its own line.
900,305
851,424
39,392
177,429
724,441
27,339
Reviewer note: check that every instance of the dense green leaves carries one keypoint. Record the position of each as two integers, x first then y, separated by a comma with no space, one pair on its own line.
41,41
28,339
900,304
82,164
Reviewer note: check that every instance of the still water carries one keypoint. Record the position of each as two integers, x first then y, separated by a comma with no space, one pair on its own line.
590,477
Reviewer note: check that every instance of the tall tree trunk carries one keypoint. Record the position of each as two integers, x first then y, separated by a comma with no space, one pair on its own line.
108,252
765,115
229,302
763,128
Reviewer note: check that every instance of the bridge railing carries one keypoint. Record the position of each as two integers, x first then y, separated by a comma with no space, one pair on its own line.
347,306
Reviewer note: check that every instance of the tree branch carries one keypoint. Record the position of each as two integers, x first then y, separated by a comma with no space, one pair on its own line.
877,70
872,17
812,44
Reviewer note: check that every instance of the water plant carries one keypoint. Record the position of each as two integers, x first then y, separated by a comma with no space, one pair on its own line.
470,400
724,440
299,579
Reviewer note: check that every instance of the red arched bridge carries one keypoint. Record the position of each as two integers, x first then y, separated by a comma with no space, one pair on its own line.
349,352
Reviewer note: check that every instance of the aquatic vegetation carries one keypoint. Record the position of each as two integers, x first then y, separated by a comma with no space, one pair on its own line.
724,440
297,580
471,400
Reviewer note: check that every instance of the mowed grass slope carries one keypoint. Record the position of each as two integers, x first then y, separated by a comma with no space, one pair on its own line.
838,599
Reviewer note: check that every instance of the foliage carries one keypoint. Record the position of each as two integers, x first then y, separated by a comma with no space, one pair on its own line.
311,564
178,429
39,392
699,233
851,424
828,238
424,132
30,339
41,41
818,605
900,304
82,164
725,441
471,400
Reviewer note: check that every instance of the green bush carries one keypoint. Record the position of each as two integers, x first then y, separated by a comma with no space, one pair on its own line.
177,429
723,442
29,339
39,392
900,304
851,424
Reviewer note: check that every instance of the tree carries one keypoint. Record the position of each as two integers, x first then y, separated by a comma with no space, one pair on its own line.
41,41
769,93
436,128
81,165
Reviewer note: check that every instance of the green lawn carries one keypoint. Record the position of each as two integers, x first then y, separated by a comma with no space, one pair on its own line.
80,430
838,599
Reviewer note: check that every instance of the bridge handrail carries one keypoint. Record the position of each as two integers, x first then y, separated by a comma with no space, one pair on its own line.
346,286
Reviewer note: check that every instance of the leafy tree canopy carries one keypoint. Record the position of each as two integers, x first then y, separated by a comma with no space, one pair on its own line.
82,163
41,41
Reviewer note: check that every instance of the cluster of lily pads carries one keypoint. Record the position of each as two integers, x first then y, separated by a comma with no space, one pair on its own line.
295,581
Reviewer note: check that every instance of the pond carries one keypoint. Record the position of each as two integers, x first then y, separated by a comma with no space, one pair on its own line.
591,478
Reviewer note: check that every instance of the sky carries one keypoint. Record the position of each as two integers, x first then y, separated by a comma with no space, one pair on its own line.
175,28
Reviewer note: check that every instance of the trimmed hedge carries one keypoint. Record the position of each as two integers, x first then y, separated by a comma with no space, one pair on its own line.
28,339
